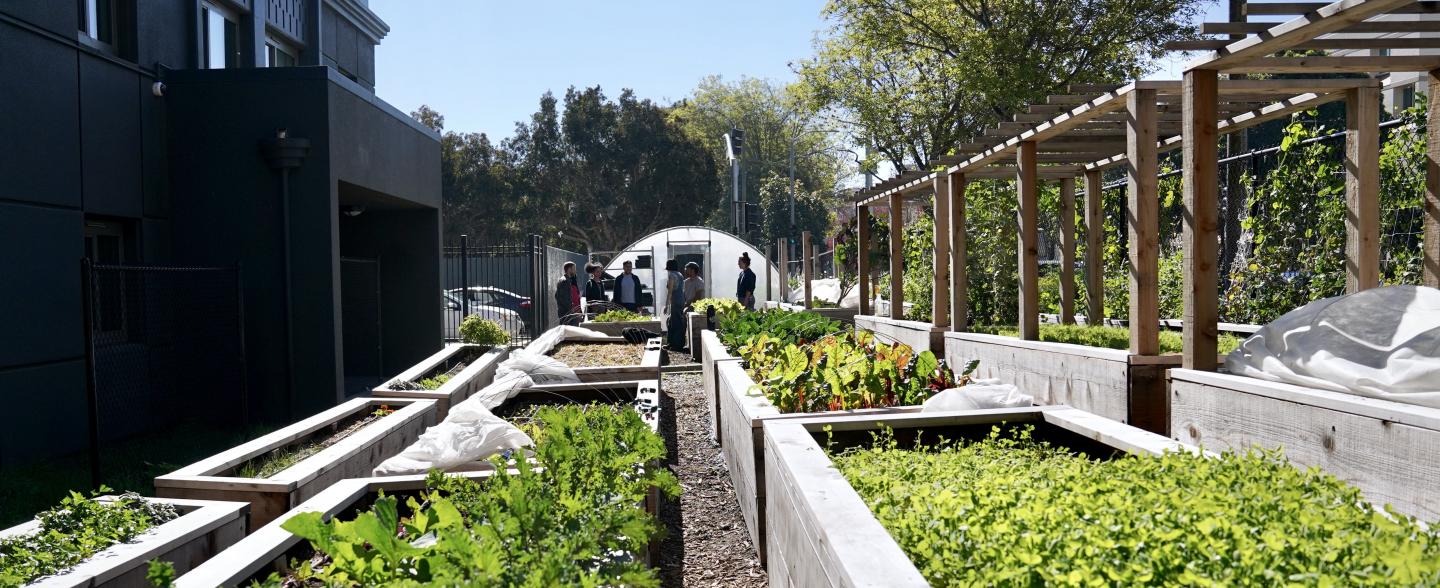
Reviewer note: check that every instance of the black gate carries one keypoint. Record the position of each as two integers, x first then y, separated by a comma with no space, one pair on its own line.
360,322
164,349
504,283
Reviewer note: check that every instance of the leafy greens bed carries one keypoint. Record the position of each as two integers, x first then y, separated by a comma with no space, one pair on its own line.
75,530
1104,337
575,520
620,316
1011,511
846,371
786,327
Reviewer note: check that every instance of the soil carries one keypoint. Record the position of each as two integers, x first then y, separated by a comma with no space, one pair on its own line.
577,355
280,459
440,374
707,544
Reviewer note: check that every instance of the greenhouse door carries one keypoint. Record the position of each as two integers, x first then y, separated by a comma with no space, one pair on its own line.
693,251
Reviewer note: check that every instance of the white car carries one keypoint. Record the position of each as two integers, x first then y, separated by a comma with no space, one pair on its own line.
506,318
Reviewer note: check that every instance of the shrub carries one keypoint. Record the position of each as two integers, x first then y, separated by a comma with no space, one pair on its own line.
1011,511
620,316
75,530
783,326
846,371
817,302
574,522
1102,336
476,330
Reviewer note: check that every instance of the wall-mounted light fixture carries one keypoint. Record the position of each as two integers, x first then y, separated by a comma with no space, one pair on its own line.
352,210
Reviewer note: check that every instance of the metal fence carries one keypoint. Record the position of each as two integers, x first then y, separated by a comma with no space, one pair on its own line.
165,348
504,283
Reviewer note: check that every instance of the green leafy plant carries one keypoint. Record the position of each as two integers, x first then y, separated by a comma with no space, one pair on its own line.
620,316
722,306
784,326
75,530
818,302
433,383
575,519
846,371
160,573
1008,510
1102,336
477,330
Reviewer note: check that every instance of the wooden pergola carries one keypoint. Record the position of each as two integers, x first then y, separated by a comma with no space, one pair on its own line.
1079,135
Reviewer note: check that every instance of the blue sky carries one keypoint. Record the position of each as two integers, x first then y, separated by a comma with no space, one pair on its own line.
484,63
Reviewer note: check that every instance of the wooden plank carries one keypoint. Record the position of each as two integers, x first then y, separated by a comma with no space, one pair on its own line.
806,267
713,353
782,252
1200,233
897,257
1027,190
1142,180
862,248
1430,245
1293,8
959,284
1067,251
940,294
1114,434
1362,189
1323,64
1371,27
1094,244
1328,19
1391,461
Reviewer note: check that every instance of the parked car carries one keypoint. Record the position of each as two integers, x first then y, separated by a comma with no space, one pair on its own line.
499,297
508,319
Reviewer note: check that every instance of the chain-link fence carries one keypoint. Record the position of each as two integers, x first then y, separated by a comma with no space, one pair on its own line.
165,349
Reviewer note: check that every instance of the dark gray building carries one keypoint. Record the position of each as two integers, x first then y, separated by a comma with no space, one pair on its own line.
136,132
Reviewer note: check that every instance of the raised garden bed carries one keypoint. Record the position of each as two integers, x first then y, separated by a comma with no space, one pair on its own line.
447,377
918,335
1386,449
844,315
695,324
590,357
583,445
278,471
1008,514
202,529
713,354
614,328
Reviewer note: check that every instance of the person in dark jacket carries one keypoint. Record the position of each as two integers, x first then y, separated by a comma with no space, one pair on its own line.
567,297
627,288
675,305
745,286
595,288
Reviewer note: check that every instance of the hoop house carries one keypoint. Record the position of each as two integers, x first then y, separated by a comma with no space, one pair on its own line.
714,250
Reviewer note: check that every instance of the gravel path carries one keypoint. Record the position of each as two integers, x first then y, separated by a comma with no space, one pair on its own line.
707,543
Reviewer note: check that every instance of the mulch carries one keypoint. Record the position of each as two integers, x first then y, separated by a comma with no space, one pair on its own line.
707,544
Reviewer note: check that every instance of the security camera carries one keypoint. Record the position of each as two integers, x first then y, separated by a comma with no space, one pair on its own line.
158,89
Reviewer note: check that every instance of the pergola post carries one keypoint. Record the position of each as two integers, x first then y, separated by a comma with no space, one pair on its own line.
1094,248
1027,190
806,265
1202,212
1362,189
862,255
1430,245
897,256
1067,251
782,254
940,291
959,286
1142,179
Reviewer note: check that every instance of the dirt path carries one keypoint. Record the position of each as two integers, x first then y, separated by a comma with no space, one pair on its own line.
707,544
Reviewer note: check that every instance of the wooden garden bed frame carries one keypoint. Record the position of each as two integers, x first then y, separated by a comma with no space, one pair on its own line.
1386,449
713,355
695,324
821,533
351,457
647,369
470,380
920,336
844,315
742,412
204,528
614,328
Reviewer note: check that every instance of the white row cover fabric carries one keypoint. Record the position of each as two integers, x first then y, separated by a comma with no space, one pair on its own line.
471,433
1381,343
978,395
828,289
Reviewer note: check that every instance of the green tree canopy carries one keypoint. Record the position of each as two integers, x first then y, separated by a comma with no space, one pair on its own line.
917,77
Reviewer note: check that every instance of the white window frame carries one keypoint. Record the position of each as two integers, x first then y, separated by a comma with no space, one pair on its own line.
274,45
226,13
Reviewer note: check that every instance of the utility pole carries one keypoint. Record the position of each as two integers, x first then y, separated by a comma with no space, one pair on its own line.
734,145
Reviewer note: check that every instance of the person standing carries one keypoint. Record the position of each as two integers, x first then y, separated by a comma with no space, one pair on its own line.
675,304
745,286
694,284
567,296
627,288
595,288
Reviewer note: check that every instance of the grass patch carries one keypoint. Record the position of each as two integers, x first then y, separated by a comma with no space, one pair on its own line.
1103,336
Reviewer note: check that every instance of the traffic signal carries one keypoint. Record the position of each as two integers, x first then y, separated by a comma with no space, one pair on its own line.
737,141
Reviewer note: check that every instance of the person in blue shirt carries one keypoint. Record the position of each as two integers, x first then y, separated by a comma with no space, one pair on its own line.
745,286
627,288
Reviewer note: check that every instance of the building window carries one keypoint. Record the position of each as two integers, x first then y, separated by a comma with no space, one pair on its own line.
278,54
97,20
1407,97
220,37
108,243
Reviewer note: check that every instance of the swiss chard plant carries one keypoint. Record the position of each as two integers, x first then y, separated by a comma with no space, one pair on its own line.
75,530
573,519
846,371
1008,510
785,326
